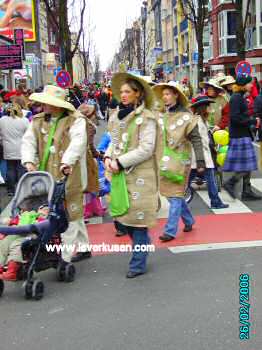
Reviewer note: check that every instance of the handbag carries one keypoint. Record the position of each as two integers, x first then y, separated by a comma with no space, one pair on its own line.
173,163
119,199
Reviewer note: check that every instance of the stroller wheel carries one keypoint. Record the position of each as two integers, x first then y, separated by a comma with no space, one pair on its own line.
38,289
28,292
70,272
2,287
60,272
189,194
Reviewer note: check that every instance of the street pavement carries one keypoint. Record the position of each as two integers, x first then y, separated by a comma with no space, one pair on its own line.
189,299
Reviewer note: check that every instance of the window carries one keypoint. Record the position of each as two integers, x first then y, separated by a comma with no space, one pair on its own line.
52,38
227,32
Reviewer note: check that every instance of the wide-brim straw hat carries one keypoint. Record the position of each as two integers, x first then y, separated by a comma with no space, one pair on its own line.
228,81
149,80
119,79
53,96
212,82
158,90
200,101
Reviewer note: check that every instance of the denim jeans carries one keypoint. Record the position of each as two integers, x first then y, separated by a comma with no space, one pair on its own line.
139,236
178,208
3,168
209,176
15,171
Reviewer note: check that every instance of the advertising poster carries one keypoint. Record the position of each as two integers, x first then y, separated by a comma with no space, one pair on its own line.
17,14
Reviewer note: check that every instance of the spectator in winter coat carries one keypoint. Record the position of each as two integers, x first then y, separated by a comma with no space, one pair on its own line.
241,157
12,129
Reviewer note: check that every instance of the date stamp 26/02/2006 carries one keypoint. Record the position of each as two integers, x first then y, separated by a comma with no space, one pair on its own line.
244,309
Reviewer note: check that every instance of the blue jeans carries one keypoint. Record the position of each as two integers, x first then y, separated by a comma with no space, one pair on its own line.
139,236
178,208
209,176
15,171
3,168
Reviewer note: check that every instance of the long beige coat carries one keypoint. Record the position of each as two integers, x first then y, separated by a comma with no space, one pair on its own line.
139,163
69,147
179,125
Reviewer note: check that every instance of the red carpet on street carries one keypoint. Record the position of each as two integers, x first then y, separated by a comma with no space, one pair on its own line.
208,229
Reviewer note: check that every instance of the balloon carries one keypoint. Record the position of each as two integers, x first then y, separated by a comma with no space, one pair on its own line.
221,137
221,157
223,149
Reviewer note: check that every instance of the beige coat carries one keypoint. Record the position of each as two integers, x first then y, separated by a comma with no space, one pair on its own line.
203,131
215,114
179,125
139,163
69,147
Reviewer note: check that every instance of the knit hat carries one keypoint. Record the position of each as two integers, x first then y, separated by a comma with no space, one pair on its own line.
243,80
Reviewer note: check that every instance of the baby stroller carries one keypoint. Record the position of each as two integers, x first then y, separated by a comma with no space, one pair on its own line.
199,180
33,190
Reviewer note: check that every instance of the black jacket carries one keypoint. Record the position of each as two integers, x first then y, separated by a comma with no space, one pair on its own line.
240,121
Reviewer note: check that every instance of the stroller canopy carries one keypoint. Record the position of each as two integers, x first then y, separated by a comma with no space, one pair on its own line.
33,190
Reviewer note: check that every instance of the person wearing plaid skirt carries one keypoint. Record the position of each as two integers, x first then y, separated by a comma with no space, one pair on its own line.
241,157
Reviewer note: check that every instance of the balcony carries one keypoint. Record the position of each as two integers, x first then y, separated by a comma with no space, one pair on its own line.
184,25
175,31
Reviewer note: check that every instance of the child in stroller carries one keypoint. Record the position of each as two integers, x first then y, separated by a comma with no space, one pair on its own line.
10,245
38,218
211,176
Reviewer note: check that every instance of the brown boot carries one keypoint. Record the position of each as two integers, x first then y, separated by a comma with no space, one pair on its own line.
11,272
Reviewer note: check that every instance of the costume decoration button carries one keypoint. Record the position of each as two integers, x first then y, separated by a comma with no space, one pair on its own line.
140,182
140,215
186,118
43,131
122,125
180,122
161,121
52,149
125,137
172,127
139,121
135,195
166,159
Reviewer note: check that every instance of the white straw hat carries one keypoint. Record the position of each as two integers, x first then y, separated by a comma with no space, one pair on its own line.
53,96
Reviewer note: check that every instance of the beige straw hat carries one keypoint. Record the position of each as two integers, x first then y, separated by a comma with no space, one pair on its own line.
119,79
158,90
228,81
212,82
53,96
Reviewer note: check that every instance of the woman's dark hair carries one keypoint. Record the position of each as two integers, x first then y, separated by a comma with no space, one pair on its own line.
137,87
201,110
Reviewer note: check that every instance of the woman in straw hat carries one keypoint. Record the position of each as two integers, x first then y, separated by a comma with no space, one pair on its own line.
179,131
132,154
219,112
200,107
227,84
56,142
241,157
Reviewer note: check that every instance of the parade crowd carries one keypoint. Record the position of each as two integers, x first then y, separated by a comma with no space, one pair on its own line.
159,140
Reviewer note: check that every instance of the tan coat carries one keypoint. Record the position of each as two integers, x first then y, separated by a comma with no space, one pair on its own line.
139,163
179,125
216,108
68,148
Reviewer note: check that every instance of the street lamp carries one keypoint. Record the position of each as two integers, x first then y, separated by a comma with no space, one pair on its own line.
144,20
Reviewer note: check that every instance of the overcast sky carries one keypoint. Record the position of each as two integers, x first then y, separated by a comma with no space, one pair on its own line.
110,18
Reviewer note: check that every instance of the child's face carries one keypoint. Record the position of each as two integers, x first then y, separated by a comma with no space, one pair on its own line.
43,211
